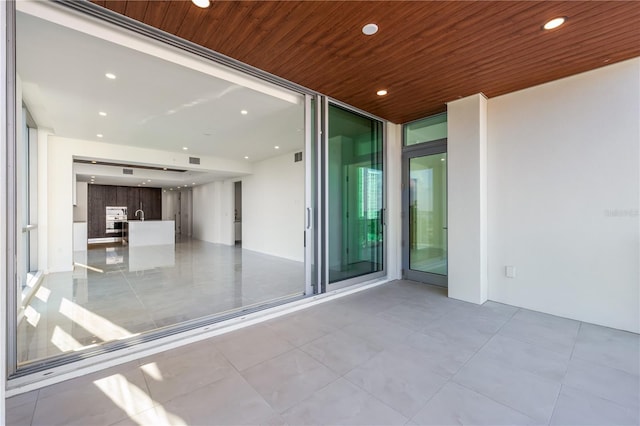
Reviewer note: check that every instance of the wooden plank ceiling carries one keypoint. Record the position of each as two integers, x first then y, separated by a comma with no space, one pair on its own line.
425,54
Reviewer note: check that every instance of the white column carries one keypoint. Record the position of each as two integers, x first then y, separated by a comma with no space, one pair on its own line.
467,192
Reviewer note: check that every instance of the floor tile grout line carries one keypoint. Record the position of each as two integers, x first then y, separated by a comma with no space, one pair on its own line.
304,399
476,353
35,406
601,365
492,399
375,396
484,344
140,300
588,392
527,341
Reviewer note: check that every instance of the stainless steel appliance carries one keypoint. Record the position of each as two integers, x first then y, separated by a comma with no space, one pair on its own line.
116,218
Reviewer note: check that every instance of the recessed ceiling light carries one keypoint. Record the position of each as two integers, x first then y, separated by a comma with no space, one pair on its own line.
554,23
370,29
99,135
276,147
186,186
381,92
138,185
93,177
93,162
164,168
148,180
246,158
185,148
244,112
193,183
144,183
170,189
102,113
110,76
202,3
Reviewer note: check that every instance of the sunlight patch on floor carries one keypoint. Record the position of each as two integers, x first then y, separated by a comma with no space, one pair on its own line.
135,403
99,326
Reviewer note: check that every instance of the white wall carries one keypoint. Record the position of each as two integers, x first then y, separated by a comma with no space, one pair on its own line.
564,184
81,206
213,212
273,208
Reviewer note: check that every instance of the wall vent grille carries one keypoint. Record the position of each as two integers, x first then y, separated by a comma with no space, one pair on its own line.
194,160
297,157
127,171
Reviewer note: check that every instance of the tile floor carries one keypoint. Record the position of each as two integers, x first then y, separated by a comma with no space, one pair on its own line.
401,353
134,290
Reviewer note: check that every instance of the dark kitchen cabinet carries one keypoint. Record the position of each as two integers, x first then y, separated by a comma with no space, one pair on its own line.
101,196
122,194
133,202
96,220
149,200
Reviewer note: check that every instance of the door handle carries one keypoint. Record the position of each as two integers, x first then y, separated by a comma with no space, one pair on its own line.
308,225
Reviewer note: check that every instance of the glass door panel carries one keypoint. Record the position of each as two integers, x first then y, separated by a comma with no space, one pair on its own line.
355,195
426,214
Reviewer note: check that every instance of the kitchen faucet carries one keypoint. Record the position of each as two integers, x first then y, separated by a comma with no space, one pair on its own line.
142,214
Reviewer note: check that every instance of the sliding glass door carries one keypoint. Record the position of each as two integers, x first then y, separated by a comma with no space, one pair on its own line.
355,201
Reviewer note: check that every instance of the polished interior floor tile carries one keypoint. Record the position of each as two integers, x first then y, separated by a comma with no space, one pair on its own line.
116,292
345,362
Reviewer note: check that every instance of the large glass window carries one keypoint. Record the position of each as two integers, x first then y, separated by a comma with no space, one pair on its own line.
356,198
175,191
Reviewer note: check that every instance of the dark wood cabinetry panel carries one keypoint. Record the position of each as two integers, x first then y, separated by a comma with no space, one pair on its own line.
101,196
151,199
133,202
121,196
96,211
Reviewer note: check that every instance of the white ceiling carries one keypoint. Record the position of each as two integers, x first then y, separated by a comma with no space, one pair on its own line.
152,103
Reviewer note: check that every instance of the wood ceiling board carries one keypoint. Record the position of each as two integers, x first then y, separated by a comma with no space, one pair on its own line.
426,53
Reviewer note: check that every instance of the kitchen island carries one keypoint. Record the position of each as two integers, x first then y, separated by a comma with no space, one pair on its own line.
141,233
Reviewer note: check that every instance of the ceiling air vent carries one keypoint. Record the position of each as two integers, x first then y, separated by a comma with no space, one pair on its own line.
297,157
194,160
127,171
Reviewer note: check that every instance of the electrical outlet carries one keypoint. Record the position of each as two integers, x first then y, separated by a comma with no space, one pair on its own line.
510,271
